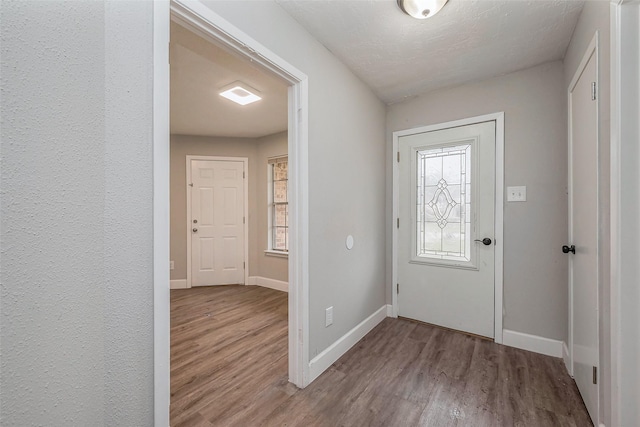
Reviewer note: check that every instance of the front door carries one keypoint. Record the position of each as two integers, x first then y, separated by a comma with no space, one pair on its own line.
583,234
446,227
217,222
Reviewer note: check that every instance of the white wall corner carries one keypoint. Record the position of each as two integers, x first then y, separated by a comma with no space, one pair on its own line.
322,361
533,343
566,357
390,311
178,284
265,282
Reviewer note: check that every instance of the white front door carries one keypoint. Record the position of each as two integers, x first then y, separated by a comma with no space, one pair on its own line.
447,204
217,222
583,234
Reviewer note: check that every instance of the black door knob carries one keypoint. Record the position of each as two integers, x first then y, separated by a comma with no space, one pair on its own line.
486,241
566,249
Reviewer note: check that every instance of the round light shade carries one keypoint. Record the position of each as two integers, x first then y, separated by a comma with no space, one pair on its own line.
421,9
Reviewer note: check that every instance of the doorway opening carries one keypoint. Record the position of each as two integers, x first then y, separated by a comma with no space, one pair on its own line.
204,23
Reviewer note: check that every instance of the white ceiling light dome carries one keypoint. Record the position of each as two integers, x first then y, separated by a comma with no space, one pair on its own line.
421,9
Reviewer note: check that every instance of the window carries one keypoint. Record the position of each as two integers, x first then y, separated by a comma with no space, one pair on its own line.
443,202
278,205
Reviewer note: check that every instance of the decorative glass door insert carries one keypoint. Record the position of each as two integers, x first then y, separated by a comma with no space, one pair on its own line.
443,196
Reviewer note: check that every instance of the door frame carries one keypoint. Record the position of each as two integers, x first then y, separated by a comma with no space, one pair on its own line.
199,18
591,51
624,203
245,183
498,118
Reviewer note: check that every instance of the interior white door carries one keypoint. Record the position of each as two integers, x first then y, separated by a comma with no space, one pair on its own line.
217,222
447,208
583,235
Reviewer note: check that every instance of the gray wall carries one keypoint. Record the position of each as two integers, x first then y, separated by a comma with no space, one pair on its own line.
595,16
257,151
533,100
346,152
76,333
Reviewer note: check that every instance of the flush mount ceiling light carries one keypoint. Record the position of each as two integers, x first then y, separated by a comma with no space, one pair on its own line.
240,93
421,9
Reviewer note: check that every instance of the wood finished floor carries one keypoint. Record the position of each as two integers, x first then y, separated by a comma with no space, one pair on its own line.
229,368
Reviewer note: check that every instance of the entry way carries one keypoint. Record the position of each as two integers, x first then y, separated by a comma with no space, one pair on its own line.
446,235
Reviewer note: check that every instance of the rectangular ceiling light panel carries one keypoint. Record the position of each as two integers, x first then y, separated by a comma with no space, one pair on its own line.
240,93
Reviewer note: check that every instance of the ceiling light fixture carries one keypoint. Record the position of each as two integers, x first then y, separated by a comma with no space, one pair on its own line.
240,93
421,9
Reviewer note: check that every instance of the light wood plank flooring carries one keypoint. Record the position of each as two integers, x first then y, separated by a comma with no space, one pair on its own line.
229,368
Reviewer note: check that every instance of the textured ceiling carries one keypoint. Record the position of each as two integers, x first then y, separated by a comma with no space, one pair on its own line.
198,70
399,57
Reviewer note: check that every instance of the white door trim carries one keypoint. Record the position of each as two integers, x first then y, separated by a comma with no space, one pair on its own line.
499,210
591,50
188,188
198,17
625,162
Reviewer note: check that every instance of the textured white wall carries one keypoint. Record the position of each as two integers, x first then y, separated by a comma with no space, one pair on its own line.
533,100
346,178
75,231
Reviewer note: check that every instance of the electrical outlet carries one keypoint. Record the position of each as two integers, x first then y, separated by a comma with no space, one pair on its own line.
328,316
171,265
517,194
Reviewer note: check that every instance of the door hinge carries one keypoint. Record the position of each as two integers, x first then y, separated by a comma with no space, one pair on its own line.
595,375
244,220
242,174
398,223
191,185
593,91
397,288
244,265
398,157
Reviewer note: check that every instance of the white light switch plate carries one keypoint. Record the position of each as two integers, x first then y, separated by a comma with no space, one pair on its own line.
517,194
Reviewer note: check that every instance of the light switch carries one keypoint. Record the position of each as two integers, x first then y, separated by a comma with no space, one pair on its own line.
517,194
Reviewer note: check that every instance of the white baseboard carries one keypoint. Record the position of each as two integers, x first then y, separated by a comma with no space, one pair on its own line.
178,284
389,310
321,362
532,343
265,282
566,358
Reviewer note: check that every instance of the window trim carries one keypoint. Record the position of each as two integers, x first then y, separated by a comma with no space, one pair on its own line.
271,161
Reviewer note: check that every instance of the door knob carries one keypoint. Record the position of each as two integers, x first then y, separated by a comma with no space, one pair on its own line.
566,249
486,241
195,230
